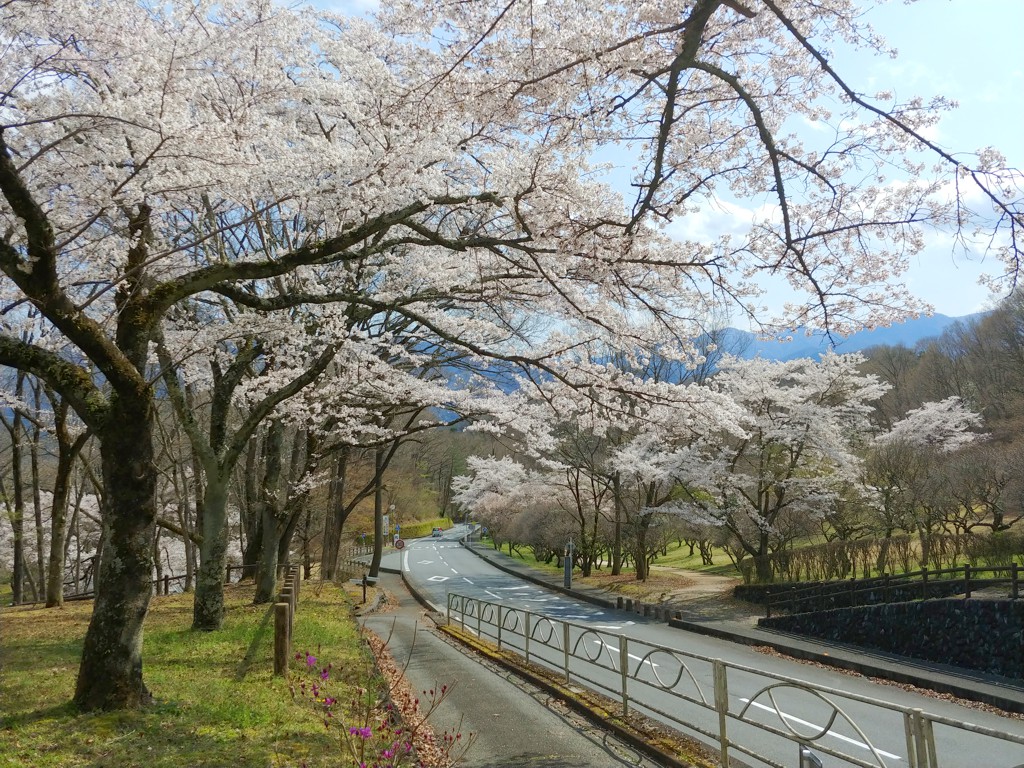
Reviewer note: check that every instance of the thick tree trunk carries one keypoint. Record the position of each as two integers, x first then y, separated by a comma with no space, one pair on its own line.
266,572
270,503
762,560
110,675
208,606
250,517
335,518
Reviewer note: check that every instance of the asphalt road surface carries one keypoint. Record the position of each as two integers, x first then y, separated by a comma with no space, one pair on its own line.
439,566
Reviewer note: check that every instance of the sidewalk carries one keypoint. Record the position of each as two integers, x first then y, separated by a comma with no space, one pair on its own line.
510,722
739,626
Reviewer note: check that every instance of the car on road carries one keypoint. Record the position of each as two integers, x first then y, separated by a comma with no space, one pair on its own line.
436,533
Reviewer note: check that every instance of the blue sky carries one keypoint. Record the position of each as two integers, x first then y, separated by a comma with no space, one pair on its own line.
971,51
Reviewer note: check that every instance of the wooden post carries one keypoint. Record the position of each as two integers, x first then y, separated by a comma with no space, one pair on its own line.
924,583
287,596
167,584
282,638
1014,581
967,581
227,573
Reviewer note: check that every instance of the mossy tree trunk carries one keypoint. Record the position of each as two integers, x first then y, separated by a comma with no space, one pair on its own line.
110,674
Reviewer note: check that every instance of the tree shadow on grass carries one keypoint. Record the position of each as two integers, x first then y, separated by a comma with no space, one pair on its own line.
258,640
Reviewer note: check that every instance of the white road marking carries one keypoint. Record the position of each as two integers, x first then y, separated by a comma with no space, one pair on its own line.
438,578
466,580
455,572
488,592
856,743
616,650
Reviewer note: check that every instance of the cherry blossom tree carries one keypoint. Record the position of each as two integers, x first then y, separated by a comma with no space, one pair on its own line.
908,468
942,426
133,141
803,424
708,97
436,165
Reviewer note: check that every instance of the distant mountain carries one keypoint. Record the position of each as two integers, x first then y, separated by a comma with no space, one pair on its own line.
907,333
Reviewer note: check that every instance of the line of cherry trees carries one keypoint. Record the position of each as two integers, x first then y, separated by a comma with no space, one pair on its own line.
318,231
51,530
841,450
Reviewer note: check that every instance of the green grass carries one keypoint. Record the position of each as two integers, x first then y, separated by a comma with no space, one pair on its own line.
678,557
217,702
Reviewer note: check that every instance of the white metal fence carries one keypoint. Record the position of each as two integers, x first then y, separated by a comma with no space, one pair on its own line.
691,692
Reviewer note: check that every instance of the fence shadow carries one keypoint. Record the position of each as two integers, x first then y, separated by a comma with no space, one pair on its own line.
257,639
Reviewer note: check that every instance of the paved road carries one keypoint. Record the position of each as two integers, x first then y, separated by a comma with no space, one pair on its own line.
515,724
439,566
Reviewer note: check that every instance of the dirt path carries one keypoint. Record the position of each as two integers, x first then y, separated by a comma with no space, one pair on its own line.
695,594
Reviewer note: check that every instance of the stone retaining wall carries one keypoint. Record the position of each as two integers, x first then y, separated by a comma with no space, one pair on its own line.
986,635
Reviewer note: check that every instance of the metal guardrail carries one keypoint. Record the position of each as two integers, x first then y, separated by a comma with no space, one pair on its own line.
915,585
691,691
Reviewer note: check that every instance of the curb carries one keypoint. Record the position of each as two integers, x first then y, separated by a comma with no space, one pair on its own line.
893,673
602,719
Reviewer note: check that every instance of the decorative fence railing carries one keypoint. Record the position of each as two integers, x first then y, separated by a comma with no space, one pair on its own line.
698,694
917,585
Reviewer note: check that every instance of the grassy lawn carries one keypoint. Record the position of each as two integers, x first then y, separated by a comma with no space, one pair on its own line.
216,700
678,557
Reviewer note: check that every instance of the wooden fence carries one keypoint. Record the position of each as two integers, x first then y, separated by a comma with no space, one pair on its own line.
284,619
916,585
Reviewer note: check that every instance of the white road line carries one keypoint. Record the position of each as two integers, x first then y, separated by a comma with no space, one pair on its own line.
616,650
455,572
405,562
488,592
466,580
839,736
